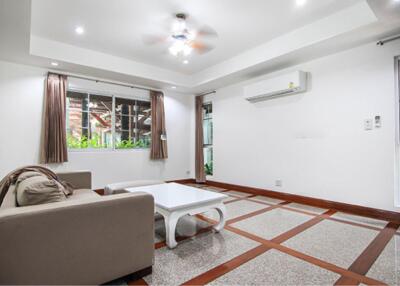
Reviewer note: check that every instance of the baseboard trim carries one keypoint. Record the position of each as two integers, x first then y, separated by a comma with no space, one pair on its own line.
183,181
344,207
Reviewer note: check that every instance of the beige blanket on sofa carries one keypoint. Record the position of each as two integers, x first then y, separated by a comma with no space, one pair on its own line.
12,177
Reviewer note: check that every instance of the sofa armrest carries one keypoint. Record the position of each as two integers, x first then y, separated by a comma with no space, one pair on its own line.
90,241
78,179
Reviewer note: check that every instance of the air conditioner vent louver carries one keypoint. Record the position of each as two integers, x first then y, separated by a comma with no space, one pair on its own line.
288,84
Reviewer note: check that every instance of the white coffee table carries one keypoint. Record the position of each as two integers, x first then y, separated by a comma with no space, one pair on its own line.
174,200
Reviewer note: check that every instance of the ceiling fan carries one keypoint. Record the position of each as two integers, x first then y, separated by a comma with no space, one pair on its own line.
184,37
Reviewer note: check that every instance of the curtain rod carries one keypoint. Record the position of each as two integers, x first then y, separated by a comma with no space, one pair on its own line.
105,81
387,40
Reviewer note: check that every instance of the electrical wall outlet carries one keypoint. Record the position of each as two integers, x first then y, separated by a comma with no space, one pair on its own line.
278,183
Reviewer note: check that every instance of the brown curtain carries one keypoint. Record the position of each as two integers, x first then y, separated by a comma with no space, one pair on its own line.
54,149
158,133
199,159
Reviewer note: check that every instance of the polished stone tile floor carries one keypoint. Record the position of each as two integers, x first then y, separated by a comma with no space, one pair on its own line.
306,208
236,209
315,250
272,223
277,268
267,200
360,219
334,242
237,193
387,266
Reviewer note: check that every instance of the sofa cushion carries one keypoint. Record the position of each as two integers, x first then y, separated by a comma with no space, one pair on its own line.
34,189
83,194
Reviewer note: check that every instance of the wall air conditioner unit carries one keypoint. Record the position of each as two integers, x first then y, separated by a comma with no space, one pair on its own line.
287,84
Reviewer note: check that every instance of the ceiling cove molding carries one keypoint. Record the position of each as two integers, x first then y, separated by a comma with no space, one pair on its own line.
80,56
326,29
357,16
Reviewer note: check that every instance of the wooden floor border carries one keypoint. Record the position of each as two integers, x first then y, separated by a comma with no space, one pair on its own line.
352,276
232,264
353,223
368,257
137,282
161,244
327,204
249,215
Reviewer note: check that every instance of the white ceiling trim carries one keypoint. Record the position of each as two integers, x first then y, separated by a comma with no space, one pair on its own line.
80,56
330,27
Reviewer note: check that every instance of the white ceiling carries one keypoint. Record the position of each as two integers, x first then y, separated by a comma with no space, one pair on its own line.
117,27
255,36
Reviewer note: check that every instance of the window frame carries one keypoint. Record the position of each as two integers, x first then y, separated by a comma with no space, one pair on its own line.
397,131
209,146
113,97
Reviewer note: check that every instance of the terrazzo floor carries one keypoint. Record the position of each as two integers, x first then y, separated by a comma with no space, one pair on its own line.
268,241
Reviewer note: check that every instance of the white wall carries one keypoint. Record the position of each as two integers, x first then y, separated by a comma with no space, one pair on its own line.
315,142
21,105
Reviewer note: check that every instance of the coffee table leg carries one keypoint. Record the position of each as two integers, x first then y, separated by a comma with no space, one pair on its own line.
222,214
170,225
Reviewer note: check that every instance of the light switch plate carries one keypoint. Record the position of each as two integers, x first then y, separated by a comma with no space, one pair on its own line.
368,124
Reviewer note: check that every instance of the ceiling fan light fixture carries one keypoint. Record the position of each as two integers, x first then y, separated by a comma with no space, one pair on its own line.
176,48
191,35
187,50
180,48
179,25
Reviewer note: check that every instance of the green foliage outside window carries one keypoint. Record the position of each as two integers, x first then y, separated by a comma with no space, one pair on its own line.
84,142
208,168
129,144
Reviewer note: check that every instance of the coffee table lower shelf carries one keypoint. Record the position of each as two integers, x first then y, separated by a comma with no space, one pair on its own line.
171,218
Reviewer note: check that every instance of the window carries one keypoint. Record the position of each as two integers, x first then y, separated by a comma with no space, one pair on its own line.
107,122
208,138
132,123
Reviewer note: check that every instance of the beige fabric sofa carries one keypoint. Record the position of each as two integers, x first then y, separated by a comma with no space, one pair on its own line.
87,239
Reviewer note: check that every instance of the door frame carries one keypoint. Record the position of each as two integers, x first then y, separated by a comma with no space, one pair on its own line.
397,133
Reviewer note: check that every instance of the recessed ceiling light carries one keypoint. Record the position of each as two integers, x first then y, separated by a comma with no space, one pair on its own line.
54,64
79,30
173,87
301,2
185,62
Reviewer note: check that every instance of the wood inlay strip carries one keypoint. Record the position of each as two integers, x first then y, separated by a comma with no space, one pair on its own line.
353,223
368,257
349,208
233,201
138,282
302,227
226,267
275,244
326,265
249,215
181,238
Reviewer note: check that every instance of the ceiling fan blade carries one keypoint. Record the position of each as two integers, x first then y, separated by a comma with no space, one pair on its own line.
150,40
206,31
201,48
